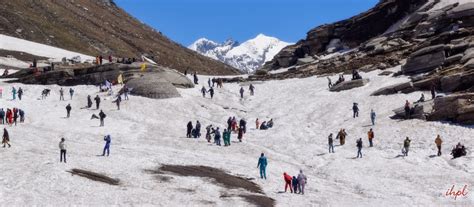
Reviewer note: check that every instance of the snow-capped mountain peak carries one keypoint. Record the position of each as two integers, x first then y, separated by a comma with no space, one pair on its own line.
248,56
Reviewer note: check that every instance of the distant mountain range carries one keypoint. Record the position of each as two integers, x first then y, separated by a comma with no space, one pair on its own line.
248,56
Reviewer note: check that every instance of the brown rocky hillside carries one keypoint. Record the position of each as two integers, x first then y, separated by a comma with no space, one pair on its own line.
98,27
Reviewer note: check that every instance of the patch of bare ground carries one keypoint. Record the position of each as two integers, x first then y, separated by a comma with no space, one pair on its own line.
222,178
95,176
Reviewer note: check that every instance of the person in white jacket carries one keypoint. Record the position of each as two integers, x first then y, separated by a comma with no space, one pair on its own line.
62,148
301,182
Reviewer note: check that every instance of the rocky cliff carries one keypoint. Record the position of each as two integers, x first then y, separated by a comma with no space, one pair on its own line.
95,27
432,41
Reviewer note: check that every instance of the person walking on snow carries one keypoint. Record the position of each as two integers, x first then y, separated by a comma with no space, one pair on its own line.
217,137
208,133
226,137
107,140
355,109
22,115
189,129
294,183
68,110
20,93
211,92
89,101
342,136
438,142
203,91
370,135
359,148
2,116
14,93
262,164
406,146
71,92
61,94
62,150
372,116
242,92
331,143
117,101
407,109
6,138
195,78
97,101
240,135
252,89
198,129
15,115
288,180
102,117
209,82
301,182
257,124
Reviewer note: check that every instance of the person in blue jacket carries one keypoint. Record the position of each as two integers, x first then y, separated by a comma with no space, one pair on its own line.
2,116
262,163
107,140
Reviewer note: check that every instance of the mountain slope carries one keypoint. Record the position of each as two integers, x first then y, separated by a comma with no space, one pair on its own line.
248,56
98,27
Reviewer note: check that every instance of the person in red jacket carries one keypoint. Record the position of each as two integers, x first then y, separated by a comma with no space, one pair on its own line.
288,179
10,116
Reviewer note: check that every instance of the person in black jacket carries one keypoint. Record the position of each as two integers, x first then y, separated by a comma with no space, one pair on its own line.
359,148
102,117
355,109
89,101
68,110
97,101
211,92
243,124
189,129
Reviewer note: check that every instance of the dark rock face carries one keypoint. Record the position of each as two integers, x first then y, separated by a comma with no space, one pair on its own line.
155,82
351,33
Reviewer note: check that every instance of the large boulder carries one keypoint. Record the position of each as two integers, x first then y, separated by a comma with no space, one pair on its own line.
425,60
347,85
393,89
419,111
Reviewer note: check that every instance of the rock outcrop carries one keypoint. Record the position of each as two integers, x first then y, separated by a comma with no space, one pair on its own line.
347,85
458,108
155,82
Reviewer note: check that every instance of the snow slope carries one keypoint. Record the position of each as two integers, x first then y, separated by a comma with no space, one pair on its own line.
147,133
21,45
247,57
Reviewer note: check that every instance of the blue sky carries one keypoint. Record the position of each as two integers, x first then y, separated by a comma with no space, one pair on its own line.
185,21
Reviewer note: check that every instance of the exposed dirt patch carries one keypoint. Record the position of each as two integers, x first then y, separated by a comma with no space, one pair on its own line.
223,178
95,176
259,200
220,177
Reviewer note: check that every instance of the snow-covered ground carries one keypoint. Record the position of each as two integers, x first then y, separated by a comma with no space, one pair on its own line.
21,45
147,133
